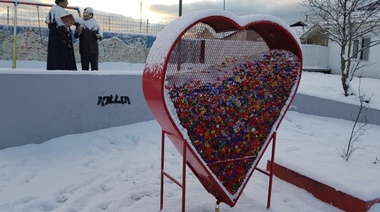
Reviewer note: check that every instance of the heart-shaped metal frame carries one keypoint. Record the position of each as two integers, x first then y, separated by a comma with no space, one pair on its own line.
271,31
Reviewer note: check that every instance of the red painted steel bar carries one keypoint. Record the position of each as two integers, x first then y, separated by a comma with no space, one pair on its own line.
270,172
165,174
184,160
271,169
162,169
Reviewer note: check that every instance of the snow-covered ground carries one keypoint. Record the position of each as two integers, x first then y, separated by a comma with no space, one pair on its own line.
118,169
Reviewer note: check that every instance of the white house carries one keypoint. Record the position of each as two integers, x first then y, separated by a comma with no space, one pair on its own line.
322,54
369,57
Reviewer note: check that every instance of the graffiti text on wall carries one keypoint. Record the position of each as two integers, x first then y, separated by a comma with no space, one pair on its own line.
106,100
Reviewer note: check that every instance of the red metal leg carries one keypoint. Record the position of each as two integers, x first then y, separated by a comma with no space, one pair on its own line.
162,169
184,161
183,177
165,174
271,170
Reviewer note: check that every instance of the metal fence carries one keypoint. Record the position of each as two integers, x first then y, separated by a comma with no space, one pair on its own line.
33,14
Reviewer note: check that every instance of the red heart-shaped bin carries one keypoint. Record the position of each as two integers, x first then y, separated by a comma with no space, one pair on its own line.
221,84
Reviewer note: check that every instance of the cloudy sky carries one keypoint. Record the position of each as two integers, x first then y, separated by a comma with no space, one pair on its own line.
166,10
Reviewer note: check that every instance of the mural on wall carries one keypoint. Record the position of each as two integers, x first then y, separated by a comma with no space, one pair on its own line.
106,100
116,50
115,47
30,43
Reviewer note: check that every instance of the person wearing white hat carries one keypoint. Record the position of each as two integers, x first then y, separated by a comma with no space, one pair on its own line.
89,33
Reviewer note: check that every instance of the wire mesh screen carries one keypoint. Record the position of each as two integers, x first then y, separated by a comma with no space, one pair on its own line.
34,15
27,15
228,89
201,49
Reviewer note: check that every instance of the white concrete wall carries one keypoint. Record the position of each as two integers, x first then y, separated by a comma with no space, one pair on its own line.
334,56
37,107
315,56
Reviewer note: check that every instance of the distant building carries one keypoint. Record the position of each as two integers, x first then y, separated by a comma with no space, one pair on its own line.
313,39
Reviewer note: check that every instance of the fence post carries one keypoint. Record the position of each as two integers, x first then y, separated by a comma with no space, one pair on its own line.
7,14
147,26
109,23
14,36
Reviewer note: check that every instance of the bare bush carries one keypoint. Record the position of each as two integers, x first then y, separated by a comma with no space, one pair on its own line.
359,127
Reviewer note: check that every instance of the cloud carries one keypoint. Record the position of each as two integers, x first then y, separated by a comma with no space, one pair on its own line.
289,10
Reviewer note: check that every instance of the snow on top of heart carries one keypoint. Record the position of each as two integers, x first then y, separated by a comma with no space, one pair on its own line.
168,36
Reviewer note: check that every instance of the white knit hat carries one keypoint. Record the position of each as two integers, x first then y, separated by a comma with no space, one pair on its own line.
88,10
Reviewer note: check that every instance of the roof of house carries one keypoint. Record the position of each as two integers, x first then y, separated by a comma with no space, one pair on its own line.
299,23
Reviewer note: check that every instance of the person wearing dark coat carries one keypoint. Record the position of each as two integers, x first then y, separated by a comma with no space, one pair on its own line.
60,54
89,33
